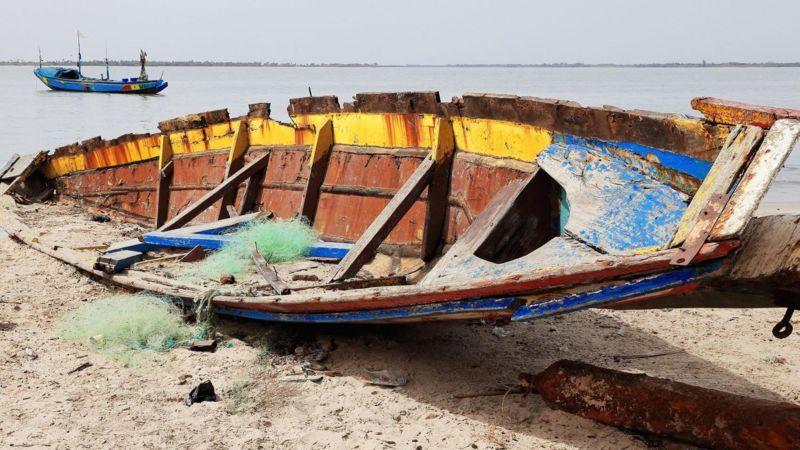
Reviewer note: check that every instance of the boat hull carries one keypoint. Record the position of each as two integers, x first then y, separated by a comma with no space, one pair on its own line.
102,86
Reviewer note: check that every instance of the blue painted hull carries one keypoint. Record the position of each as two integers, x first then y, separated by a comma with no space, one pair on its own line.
104,86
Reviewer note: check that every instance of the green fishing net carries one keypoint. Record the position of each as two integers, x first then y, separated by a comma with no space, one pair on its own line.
278,241
121,326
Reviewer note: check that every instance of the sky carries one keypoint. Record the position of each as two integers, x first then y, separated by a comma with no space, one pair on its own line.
407,31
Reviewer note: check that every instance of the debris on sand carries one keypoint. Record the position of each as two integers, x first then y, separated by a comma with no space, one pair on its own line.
203,392
384,377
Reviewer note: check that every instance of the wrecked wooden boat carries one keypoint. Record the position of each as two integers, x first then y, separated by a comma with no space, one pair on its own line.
488,206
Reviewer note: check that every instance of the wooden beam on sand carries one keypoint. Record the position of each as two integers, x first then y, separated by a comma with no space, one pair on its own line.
364,249
215,194
165,169
241,141
320,156
268,272
439,189
26,172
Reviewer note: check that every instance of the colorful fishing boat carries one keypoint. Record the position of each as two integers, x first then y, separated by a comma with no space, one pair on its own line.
488,206
67,79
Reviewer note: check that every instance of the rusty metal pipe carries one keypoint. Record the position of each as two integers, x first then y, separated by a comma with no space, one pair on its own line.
679,411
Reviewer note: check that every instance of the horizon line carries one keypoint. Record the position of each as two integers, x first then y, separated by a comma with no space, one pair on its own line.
193,63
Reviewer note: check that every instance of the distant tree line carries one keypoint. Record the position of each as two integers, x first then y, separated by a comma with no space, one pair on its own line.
192,63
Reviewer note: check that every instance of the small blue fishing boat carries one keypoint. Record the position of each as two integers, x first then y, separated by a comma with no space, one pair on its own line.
67,79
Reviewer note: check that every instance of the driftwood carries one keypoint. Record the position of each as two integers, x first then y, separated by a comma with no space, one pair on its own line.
268,272
673,410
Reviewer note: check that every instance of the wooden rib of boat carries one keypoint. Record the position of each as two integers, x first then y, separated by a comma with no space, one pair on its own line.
512,207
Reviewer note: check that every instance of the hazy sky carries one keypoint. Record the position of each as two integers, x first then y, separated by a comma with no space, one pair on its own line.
407,31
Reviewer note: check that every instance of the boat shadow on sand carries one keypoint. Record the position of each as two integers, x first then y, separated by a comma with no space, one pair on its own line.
454,359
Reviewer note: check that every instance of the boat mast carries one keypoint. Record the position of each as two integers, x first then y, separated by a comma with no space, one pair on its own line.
108,75
40,57
142,60
79,54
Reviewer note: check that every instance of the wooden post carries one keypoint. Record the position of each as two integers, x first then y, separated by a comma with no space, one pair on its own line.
165,169
241,141
439,189
364,249
320,155
215,194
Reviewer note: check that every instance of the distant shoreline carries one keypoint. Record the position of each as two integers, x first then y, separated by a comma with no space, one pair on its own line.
375,65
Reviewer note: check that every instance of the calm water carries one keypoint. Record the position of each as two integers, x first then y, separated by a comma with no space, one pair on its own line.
34,117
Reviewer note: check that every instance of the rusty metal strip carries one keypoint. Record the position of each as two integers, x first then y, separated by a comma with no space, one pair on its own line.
702,229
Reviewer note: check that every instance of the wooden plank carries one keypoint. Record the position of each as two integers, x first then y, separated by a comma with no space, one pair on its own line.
241,142
320,155
364,249
477,233
439,189
268,272
757,178
396,280
215,194
604,268
769,249
114,262
729,163
26,172
332,250
733,113
164,180
612,207
251,190
8,165
231,211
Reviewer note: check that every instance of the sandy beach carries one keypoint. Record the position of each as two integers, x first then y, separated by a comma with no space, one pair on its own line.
108,405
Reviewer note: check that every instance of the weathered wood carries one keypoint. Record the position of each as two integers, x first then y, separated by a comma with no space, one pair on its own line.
479,231
732,158
439,189
251,190
364,249
241,141
770,252
212,196
611,207
8,165
318,161
757,178
395,280
26,172
268,272
231,211
733,113
164,180
195,254
114,262
604,268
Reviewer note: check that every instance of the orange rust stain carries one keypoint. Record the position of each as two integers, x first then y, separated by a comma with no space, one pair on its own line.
387,119
411,122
